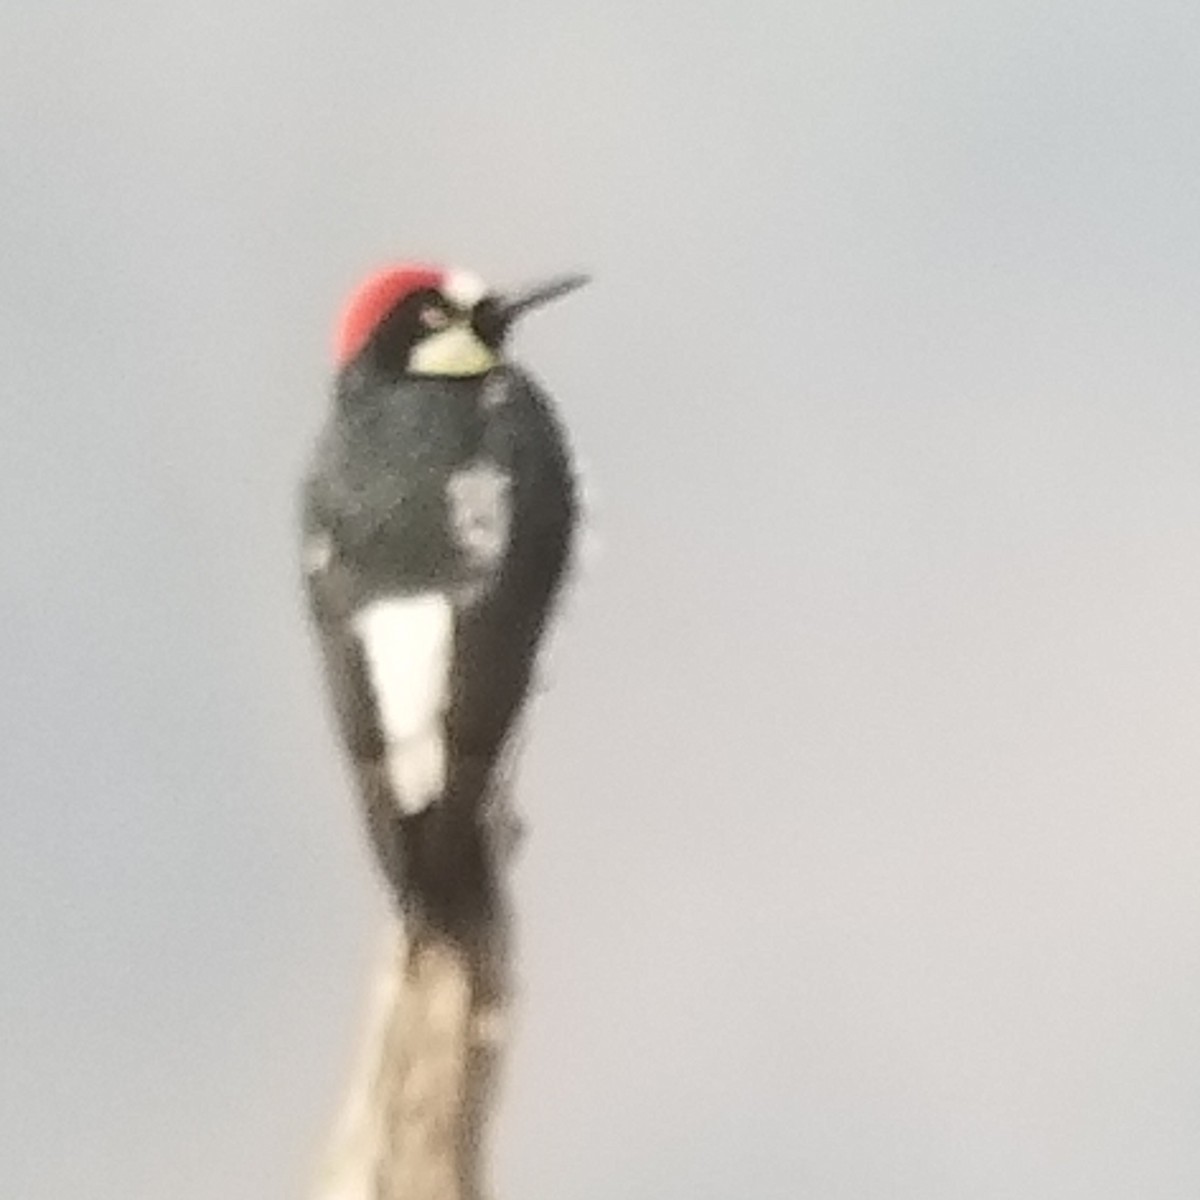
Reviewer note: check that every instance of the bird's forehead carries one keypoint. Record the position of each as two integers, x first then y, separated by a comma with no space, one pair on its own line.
463,288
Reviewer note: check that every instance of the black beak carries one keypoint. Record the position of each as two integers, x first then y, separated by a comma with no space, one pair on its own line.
518,304
495,315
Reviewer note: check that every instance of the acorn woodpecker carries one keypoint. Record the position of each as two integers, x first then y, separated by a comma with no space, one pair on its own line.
438,514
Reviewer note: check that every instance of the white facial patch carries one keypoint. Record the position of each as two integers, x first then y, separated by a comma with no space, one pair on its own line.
454,351
480,510
463,288
409,643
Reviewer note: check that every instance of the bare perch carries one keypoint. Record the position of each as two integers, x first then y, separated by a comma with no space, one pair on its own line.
412,1124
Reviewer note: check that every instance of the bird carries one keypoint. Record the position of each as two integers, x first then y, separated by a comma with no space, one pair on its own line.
438,518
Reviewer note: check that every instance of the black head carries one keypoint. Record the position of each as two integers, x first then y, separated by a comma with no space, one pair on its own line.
415,320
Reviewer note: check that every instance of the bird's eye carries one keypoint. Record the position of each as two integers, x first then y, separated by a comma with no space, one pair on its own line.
433,316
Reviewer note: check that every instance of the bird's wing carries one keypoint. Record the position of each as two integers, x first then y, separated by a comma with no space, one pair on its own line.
496,639
331,591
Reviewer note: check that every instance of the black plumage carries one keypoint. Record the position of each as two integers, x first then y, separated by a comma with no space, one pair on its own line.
382,516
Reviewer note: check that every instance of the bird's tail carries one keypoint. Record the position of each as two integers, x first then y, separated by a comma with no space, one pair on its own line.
441,862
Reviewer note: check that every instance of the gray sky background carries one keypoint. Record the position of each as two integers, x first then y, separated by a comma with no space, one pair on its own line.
866,804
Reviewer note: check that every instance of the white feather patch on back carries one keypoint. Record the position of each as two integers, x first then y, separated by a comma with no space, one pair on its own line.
409,643
494,392
480,510
416,769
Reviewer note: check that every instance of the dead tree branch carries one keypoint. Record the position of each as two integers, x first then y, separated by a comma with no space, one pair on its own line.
413,1123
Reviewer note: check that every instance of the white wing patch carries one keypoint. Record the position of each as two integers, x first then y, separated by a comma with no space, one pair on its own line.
409,643
316,553
480,511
